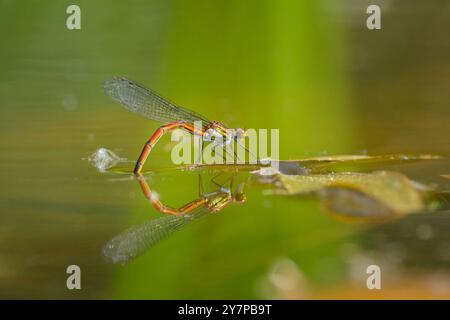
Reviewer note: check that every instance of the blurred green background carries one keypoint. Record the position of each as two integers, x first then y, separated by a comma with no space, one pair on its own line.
310,68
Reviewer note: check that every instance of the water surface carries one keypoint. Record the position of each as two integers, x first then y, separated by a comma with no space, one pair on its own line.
310,69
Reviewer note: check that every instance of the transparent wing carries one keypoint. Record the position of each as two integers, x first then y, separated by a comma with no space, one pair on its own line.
148,103
134,241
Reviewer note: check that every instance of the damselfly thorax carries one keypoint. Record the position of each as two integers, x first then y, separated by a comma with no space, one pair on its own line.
148,103
219,130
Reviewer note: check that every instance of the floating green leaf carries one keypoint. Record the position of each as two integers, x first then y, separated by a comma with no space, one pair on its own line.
376,194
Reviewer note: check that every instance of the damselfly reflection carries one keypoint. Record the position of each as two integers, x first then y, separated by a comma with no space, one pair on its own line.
136,240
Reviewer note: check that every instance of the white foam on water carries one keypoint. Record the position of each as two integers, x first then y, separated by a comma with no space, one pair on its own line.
103,159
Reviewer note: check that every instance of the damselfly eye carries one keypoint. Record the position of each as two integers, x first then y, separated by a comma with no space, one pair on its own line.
240,133
240,197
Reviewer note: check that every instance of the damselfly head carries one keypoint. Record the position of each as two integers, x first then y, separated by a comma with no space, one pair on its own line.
240,133
240,197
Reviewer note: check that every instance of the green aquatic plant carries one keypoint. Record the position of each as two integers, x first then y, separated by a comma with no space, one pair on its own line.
360,196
